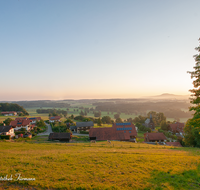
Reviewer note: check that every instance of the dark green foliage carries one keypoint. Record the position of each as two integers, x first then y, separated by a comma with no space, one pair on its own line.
97,114
52,112
1,124
40,123
82,113
119,120
106,119
7,137
192,128
79,118
12,107
142,127
99,122
60,127
116,116
20,132
7,121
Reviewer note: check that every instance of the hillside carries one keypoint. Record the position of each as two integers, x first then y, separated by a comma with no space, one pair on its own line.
12,107
120,165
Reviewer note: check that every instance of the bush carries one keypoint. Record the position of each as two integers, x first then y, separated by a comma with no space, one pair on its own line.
19,132
7,137
84,132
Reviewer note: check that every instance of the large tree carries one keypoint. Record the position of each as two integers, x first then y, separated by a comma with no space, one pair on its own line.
192,128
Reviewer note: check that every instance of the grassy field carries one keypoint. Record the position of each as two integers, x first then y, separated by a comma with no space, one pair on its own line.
120,165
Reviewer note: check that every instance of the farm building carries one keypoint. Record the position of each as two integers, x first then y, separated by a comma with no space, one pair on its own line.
60,136
82,126
178,144
9,113
154,137
119,131
177,128
54,119
7,130
149,123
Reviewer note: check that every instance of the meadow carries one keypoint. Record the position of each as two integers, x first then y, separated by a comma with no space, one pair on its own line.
119,165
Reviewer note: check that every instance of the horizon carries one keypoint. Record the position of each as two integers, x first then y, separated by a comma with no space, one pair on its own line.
96,49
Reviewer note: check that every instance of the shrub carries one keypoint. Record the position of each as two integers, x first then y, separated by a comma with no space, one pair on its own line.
7,137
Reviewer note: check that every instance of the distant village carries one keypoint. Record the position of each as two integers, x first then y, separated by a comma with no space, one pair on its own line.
22,127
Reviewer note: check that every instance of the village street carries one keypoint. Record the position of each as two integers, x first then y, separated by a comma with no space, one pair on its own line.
49,130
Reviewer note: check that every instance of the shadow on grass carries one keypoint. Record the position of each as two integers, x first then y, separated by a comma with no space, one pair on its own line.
186,180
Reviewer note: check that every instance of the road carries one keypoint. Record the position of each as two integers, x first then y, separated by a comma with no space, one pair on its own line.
47,132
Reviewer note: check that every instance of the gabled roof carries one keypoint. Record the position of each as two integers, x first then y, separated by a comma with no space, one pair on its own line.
85,124
54,118
174,144
4,129
177,127
20,122
119,131
155,136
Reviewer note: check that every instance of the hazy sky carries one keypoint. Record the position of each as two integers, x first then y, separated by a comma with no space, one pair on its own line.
60,49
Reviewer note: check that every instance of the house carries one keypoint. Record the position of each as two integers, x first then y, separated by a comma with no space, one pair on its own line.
178,144
33,120
54,119
119,131
177,128
154,137
82,126
149,123
7,130
19,123
9,113
60,136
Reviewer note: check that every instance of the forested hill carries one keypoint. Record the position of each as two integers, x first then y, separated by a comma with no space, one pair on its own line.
43,103
12,107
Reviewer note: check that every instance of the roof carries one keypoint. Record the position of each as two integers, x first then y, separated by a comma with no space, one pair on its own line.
20,122
174,144
35,118
119,131
60,136
155,136
177,127
8,112
84,124
54,118
4,129
147,121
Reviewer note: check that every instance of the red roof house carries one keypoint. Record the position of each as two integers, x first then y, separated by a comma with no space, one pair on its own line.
153,137
119,131
19,123
178,144
9,113
177,127
54,118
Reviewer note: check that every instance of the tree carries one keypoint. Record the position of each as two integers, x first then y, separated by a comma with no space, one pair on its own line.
7,121
116,116
119,120
82,113
99,122
192,128
106,119
72,116
164,125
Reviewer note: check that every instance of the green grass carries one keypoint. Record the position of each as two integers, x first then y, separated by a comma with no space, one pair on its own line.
119,165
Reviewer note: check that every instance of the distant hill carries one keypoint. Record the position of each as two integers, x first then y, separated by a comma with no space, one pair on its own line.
170,96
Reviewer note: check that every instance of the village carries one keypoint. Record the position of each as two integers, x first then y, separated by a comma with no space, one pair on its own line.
27,127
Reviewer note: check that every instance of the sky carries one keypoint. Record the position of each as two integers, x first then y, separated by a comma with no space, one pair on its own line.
80,49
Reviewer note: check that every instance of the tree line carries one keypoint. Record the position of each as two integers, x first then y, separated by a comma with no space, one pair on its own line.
12,107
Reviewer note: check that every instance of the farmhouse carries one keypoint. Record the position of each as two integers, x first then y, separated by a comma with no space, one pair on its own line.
119,131
154,137
54,119
9,113
19,123
177,128
60,136
149,123
82,126
33,120
7,130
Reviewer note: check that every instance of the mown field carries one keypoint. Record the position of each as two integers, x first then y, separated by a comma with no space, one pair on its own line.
120,165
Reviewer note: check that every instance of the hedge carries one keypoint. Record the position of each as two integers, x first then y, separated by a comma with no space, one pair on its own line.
20,132
5,137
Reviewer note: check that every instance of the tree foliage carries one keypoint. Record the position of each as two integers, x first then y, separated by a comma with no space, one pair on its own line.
12,107
106,119
7,121
192,128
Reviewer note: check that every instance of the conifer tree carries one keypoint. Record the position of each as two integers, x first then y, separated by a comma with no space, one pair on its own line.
192,128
